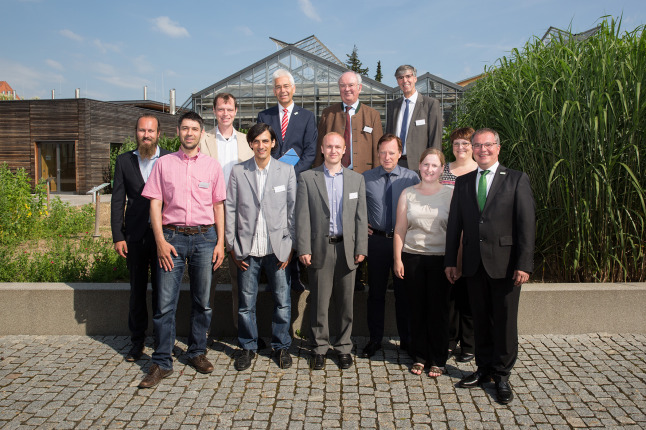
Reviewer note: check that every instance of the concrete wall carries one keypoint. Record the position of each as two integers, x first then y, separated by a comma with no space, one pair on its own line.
102,309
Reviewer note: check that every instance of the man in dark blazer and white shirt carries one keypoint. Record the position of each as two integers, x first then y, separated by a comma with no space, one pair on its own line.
421,126
300,125
133,238
332,239
300,134
493,210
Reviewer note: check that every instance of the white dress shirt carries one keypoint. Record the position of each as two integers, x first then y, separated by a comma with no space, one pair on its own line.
260,245
488,177
400,117
227,152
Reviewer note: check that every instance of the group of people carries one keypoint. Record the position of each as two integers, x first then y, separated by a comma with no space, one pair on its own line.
457,238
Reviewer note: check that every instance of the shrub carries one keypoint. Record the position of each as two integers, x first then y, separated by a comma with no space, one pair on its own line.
571,115
20,212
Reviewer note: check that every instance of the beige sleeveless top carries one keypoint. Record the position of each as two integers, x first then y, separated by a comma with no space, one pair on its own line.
427,220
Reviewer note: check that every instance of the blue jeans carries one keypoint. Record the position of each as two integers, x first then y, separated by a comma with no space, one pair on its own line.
196,251
279,282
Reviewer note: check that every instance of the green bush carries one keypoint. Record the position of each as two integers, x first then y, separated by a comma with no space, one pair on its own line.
571,114
20,213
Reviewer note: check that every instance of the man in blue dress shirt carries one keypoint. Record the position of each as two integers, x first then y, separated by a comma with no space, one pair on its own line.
384,184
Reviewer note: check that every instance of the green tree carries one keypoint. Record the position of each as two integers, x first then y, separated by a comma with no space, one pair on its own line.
379,76
354,63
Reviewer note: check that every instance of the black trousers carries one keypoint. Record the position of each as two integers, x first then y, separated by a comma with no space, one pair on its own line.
141,258
428,295
460,318
380,265
494,303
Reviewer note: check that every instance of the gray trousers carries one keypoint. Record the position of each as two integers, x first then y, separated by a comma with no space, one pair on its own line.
334,281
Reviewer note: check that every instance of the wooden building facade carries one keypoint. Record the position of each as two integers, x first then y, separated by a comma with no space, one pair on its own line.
68,140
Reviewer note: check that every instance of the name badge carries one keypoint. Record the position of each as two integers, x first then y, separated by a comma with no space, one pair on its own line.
420,122
279,189
203,185
367,129
353,196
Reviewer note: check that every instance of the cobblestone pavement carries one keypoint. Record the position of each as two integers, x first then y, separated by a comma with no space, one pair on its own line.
576,381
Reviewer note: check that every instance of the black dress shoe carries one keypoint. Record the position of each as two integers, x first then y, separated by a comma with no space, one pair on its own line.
465,357
154,376
370,349
318,362
504,393
284,359
475,379
345,361
135,352
243,360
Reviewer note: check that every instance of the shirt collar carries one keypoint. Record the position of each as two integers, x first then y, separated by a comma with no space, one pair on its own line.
413,98
395,172
232,138
156,155
327,172
354,105
290,108
492,170
258,169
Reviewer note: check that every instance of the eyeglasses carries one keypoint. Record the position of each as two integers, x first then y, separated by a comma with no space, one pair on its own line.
349,86
458,144
402,77
487,145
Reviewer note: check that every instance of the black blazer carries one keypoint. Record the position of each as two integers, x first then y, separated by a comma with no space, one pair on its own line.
301,135
503,235
129,183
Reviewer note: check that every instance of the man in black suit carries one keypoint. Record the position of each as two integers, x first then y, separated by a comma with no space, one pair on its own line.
493,209
295,129
133,238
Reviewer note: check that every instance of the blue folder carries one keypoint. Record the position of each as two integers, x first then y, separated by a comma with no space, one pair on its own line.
290,157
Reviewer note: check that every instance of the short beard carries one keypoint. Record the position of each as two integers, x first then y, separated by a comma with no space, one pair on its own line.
146,150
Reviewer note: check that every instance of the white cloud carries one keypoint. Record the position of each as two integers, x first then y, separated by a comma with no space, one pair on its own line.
105,47
169,27
308,9
104,69
132,82
142,65
54,64
244,30
27,81
71,35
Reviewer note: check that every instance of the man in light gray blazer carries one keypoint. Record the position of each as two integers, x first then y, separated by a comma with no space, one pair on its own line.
259,231
331,239
415,118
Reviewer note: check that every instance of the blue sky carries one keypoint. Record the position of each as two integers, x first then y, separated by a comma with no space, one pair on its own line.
110,50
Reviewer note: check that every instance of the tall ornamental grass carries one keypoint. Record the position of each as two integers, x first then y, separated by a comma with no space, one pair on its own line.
573,116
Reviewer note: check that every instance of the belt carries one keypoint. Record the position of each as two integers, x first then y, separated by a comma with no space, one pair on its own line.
188,230
383,233
335,239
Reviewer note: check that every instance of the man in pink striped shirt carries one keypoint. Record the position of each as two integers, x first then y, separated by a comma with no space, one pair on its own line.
186,194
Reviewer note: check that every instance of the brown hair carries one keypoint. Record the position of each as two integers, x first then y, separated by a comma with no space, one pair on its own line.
387,138
461,133
433,151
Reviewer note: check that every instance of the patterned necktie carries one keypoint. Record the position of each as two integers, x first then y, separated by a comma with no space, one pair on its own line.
283,123
404,129
482,189
388,206
345,160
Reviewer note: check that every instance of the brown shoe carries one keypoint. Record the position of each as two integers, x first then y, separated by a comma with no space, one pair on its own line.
154,376
201,364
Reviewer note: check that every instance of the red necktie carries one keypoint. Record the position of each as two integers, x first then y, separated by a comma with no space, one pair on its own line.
283,123
347,133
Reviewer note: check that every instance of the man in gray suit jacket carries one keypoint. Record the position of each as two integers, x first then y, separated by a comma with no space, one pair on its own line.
259,230
415,118
332,239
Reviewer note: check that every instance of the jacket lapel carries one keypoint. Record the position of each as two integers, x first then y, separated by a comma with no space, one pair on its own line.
250,174
319,180
499,177
135,166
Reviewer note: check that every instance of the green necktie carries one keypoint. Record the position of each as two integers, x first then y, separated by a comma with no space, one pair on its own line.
482,189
